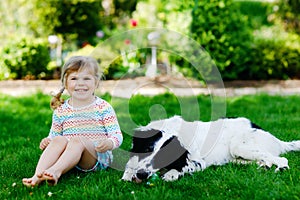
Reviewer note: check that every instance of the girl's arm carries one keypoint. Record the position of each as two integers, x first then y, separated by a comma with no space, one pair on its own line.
56,126
112,127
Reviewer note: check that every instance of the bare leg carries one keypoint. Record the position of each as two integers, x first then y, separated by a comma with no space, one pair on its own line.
79,151
49,156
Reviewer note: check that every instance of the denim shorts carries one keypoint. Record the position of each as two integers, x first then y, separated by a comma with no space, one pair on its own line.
103,161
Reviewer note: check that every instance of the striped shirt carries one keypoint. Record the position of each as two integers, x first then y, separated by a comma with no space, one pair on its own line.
96,121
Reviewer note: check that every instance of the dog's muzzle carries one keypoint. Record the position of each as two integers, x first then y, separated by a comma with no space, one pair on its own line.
136,179
142,174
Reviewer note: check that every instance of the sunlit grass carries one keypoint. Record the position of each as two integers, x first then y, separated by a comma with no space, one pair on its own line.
25,120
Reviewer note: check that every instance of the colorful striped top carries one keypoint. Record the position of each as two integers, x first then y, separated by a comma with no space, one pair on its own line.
96,121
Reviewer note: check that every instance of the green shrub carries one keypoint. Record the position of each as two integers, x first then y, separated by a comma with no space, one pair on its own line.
257,12
273,59
26,58
224,32
245,45
4,71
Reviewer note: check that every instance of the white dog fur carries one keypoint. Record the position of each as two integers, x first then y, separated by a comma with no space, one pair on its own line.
212,143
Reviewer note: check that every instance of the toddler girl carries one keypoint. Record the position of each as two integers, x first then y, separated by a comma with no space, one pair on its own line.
84,128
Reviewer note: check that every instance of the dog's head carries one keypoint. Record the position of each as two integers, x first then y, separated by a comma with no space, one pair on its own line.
154,150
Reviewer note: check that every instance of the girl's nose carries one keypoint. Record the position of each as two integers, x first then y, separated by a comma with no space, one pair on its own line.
80,81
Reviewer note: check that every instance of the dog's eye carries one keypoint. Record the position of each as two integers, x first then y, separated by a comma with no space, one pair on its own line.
149,149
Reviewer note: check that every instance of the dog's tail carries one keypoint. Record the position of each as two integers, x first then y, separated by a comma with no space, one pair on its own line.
291,146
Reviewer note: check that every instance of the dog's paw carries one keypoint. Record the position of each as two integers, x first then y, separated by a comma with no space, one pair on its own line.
282,164
282,168
171,175
264,164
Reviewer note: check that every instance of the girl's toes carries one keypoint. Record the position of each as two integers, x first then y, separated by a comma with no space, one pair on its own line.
27,182
50,178
40,175
32,182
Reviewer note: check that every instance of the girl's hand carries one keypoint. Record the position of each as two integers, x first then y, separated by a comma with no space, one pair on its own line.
104,145
44,143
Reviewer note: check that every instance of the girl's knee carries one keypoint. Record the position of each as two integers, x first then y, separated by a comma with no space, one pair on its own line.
80,142
76,141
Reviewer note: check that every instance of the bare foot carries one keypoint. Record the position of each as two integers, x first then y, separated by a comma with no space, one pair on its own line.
50,177
33,181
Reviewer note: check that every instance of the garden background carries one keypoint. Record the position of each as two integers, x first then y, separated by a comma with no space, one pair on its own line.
247,39
254,41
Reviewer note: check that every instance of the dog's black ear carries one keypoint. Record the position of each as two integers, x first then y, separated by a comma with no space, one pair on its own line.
143,141
151,133
171,155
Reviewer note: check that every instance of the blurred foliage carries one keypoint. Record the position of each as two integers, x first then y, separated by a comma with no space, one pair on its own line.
258,13
243,42
224,32
279,61
289,11
128,65
75,20
26,58
4,71
275,54
174,15
246,39
275,50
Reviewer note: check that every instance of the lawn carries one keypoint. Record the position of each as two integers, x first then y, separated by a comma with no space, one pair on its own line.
25,120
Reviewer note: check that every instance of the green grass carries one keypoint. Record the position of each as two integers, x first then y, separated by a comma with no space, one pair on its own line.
25,120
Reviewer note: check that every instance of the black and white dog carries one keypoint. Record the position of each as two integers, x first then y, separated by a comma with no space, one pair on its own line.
174,147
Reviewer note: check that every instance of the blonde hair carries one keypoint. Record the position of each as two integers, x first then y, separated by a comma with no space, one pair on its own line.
75,64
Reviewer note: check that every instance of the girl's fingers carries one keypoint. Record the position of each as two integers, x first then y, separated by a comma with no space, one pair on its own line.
42,146
104,145
44,143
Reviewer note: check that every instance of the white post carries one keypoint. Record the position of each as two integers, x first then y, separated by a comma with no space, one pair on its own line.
55,49
153,38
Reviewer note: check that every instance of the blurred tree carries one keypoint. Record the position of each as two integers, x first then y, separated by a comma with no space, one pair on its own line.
79,20
74,20
46,18
289,10
14,15
124,6
117,14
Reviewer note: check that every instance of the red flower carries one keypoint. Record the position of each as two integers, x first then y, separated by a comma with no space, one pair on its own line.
133,22
127,41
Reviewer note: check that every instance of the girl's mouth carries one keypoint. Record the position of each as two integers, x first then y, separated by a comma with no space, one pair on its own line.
81,90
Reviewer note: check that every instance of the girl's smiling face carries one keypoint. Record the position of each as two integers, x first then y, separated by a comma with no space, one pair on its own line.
81,86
